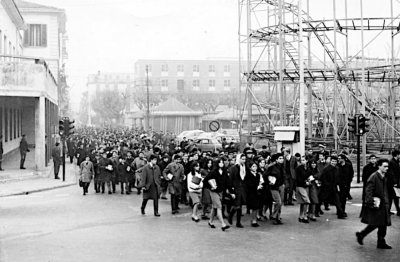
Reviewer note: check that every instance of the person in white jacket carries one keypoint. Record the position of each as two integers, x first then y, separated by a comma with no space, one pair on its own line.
195,184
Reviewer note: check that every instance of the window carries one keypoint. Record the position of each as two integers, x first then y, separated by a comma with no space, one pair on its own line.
164,68
180,85
227,85
211,68
164,85
36,35
196,84
180,68
211,85
227,68
196,68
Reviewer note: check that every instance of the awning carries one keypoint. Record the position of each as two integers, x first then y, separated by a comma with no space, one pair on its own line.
284,136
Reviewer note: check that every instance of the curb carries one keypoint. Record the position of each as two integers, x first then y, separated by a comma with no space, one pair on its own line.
39,190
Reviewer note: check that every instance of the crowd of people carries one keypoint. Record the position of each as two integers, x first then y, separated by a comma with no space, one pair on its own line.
217,185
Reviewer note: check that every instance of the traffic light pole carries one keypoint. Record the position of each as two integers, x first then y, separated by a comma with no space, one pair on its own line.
358,158
63,158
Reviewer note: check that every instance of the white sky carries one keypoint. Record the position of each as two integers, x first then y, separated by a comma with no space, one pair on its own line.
110,35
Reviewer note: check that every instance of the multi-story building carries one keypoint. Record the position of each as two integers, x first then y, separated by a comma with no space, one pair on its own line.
45,37
120,83
28,91
187,76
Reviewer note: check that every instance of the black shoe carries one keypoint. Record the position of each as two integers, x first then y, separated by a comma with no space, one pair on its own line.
225,227
211,225
122,192
341,217
321,212
344,214
230,220
142,210
255,225
313,219
239,225
327,208
56,177
1,169
174,212
383,246
109,192
349,198
204,217
277,222
359,238
156,215
22,168
164,198
128,193
195,219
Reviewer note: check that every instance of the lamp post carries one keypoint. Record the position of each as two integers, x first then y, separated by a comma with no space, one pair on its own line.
147,122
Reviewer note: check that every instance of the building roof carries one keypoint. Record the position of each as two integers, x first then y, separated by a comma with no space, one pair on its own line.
172,107
14,13
23,5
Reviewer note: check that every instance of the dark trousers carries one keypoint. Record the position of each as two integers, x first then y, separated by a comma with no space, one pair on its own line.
23,156
184,192
289,187
336,199
343,194
85,187
57,165
113,186
238,212
381,232
155,205
71,159
174,202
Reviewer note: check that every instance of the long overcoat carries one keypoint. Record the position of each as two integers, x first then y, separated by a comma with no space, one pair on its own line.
328,184
151,181
86,171
237,186
177,171
377,186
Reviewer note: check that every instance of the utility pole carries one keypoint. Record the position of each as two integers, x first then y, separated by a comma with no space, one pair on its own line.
250,74
147,122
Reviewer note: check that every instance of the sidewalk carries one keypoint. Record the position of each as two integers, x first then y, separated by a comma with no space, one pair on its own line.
15,181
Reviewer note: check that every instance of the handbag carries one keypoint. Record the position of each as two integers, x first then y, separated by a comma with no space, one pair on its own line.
80,182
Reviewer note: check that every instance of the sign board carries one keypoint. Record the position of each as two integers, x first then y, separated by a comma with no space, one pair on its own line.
214,126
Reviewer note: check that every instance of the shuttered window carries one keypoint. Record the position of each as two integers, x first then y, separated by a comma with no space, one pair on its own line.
36,35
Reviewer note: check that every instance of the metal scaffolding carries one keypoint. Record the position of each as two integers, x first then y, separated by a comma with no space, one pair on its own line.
338,83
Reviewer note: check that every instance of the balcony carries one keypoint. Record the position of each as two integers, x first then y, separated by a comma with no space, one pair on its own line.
26,77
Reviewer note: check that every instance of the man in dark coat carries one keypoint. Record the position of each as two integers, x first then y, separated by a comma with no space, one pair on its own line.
152,188
80,154
23,149
367,171
237,187
393,176
376,206
329,186
276,179
289,165
1,151
345,176
57,160
174,174
71,149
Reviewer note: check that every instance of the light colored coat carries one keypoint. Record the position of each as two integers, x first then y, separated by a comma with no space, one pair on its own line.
86,171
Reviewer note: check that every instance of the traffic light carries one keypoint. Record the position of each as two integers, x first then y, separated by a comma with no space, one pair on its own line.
363,125
71,127
353,124
61,128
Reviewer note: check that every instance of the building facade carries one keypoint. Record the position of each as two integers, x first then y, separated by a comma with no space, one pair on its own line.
117,83
28,91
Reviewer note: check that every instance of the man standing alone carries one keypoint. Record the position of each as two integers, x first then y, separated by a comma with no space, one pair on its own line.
23,149
56,155
375,210
151,181
1,151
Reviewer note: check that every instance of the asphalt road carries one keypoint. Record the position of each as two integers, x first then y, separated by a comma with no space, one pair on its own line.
63,225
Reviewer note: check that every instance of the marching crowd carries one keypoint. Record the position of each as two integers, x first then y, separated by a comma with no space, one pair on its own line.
217,185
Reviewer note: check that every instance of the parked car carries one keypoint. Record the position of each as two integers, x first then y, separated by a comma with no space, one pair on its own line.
208,144
189,134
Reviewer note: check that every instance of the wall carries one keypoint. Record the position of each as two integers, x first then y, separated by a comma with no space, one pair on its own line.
8,28
51,52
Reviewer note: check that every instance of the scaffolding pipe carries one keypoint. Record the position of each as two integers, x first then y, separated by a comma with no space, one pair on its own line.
249,70
301,83
335,109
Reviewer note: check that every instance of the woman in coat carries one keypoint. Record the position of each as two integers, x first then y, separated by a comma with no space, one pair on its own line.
315,207
217,182
195,185
152,184
106,170
86,173
254,184
375,210
205,194
302,189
